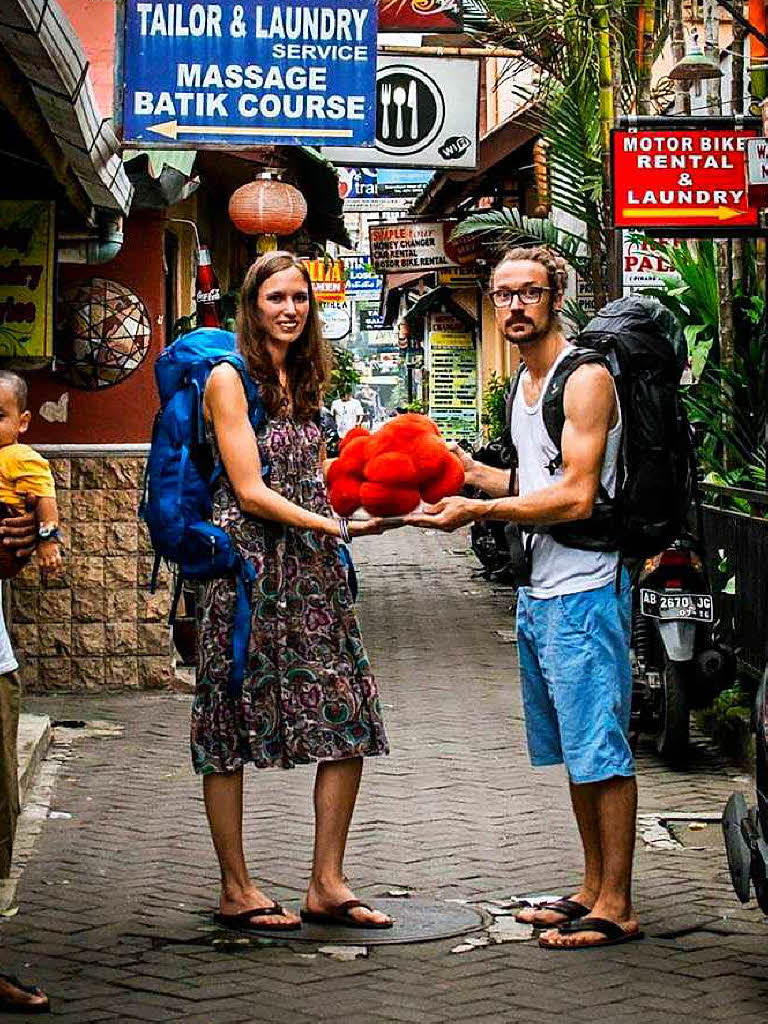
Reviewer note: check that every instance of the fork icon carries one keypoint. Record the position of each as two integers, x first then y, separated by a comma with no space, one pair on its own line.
386,99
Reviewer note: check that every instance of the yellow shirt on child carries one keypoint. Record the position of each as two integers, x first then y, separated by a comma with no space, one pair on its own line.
24,471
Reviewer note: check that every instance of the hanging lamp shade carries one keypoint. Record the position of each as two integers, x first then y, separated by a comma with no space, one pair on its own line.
267,206
694,66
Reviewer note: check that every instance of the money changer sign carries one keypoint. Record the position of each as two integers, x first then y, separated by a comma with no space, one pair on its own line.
244,73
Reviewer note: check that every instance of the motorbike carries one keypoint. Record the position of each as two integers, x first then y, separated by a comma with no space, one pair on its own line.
677,665
745,829
329,432
496,545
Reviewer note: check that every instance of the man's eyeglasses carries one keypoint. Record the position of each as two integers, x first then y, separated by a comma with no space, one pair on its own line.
529,295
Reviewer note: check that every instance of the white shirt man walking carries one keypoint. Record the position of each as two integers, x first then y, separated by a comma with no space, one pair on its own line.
573,619
347,412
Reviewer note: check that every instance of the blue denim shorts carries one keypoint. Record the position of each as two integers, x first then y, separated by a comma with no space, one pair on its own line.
577,681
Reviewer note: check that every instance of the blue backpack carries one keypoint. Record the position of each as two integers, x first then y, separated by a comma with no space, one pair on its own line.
181,475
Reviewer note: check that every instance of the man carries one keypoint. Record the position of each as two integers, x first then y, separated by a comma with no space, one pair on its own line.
369,399
347,412
18,533
573,619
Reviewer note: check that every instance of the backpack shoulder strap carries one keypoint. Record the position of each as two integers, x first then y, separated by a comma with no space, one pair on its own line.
553,406
256,411
512,395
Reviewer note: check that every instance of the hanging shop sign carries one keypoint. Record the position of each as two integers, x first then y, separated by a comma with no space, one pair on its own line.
420,16
364,191
453,383
369,317
328,281
336,320
757,171
693,180
27,235
411,245
238,74
362,281
643,265
426,116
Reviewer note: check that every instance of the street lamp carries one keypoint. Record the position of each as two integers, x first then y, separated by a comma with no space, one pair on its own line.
694,66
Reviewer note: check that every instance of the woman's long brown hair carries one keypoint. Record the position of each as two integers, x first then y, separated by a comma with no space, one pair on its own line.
308,364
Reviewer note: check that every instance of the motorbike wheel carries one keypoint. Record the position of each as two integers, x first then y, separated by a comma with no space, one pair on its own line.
675,720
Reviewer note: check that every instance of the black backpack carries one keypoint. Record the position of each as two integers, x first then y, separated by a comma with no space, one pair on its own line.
642,345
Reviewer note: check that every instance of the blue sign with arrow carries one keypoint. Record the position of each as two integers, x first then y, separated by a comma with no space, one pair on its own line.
242,74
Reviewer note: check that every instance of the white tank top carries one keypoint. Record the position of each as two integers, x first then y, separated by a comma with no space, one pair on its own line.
557,569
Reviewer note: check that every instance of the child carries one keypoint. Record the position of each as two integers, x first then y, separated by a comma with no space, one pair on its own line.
24,472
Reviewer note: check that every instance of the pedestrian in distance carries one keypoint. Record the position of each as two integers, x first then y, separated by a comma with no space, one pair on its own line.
574,615
347,411
309,694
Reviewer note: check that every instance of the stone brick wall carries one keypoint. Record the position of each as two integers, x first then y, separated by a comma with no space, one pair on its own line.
96,626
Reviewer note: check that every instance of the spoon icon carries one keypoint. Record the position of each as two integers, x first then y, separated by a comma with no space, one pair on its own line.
399,97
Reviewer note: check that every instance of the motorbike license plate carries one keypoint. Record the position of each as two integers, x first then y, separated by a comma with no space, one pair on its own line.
693,607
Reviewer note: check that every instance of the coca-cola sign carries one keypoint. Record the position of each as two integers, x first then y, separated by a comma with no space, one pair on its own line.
420,16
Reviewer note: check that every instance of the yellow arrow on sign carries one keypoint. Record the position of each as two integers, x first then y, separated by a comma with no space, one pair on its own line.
719,212
172,130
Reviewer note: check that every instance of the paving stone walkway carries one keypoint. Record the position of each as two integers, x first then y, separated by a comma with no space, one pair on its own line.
114,903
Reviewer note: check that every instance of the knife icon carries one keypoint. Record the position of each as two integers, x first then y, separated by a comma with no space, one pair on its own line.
414,110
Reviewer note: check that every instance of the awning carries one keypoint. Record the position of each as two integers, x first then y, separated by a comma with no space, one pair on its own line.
43,45
391,292
437,300
161,177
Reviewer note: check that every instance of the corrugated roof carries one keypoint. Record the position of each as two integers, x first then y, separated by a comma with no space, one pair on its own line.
45,48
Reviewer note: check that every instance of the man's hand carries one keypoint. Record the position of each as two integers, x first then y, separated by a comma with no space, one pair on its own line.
463,456
20,532
448,514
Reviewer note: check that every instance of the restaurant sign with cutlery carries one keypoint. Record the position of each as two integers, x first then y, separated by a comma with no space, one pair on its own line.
426,115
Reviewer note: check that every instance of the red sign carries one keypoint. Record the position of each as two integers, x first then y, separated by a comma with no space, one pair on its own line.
420,16
689,179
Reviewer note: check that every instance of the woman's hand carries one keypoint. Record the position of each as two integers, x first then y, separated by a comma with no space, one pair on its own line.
365,527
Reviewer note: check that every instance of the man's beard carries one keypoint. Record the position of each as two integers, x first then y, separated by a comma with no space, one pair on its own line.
535,335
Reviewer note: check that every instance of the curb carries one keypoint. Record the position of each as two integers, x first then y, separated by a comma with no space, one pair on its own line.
35,738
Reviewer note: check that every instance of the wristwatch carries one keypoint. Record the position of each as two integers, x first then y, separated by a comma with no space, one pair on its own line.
49,531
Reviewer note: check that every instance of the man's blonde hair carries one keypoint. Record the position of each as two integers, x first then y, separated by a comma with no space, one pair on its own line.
555,265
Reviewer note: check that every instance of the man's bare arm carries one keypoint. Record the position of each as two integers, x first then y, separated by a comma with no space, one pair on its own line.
590,410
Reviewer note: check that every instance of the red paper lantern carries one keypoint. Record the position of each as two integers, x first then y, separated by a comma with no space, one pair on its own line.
267,207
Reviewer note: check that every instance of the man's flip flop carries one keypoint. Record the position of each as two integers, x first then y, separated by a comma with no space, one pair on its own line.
570,909
340,915
244,922
614,934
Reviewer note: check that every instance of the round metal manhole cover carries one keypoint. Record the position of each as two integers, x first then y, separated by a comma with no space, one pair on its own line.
415,920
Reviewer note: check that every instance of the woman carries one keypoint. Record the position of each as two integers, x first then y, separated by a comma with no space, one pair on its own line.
308,693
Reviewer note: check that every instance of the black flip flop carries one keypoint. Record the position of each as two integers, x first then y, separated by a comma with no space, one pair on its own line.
614,934
570,909
244,922
9,1006
340,916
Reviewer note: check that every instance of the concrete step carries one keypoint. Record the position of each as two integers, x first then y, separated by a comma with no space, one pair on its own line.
35,738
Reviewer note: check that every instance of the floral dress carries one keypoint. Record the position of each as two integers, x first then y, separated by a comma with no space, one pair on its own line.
309,693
